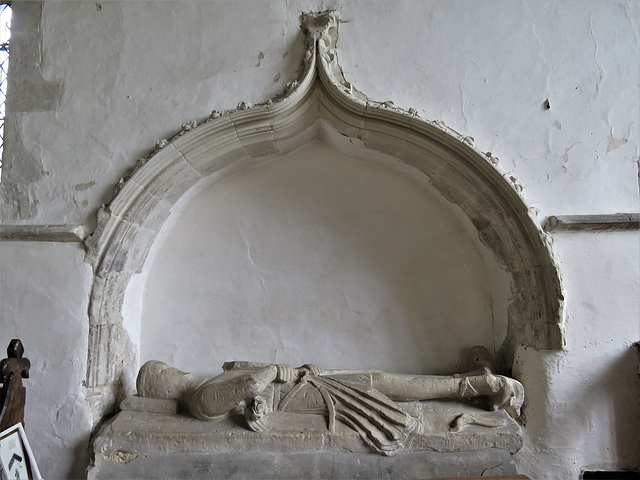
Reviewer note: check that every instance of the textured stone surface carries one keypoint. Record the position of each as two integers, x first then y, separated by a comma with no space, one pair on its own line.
145,433
309,465
140,444
149,405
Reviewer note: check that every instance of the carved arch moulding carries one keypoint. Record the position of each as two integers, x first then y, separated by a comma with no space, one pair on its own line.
465,176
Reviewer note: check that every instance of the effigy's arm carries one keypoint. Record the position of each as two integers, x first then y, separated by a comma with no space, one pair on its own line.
286,373
243,365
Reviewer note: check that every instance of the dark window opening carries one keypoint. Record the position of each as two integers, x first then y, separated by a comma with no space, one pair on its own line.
5,34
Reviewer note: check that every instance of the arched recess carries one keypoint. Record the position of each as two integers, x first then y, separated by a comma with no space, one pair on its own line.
466,177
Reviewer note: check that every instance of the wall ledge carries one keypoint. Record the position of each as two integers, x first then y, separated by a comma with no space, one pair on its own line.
43,233
592,223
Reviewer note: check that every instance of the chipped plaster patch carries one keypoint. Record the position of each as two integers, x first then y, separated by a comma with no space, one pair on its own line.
81,187
17,202
615,143
28,90
121,457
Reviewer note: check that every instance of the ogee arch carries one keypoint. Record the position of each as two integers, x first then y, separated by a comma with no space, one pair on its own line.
466,177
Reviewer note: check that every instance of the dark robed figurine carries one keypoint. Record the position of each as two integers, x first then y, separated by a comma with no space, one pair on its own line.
12,396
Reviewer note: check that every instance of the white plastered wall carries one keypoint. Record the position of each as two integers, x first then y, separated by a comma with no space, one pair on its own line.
129,73
45,289
319,257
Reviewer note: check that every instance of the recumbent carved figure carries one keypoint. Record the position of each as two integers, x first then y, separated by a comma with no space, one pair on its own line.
363,400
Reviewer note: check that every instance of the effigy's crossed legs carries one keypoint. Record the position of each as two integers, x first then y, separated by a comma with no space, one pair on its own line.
502,392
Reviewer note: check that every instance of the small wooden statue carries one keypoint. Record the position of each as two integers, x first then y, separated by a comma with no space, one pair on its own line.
12,395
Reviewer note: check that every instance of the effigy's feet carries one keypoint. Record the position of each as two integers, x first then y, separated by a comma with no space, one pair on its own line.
502,392
509,396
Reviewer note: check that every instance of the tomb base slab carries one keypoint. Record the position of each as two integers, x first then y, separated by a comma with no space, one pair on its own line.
308,465
164,445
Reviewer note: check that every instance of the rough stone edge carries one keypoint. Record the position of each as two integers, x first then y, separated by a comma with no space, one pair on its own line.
43,233
592,223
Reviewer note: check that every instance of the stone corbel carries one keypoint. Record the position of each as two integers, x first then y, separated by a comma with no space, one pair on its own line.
43,233
593,223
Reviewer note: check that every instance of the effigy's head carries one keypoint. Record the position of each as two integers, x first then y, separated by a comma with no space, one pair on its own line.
158,380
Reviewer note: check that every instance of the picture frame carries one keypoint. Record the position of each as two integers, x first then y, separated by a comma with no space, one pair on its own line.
16,457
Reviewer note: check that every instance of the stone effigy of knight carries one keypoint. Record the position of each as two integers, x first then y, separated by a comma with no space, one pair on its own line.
365,401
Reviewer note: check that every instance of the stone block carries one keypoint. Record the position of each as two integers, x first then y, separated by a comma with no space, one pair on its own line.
137,444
